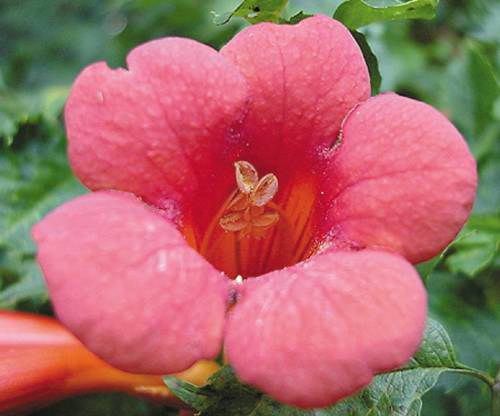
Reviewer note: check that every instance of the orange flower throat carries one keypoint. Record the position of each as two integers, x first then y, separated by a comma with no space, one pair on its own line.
257,229
250,212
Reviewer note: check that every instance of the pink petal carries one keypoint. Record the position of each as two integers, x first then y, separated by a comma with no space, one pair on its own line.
162,128
403,178
124,281
303,80
317,332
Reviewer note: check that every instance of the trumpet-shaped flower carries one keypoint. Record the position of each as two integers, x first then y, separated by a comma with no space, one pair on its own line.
41,361
256,200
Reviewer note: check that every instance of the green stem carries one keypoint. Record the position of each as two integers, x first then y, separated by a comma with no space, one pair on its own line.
495,397
494,384
481,375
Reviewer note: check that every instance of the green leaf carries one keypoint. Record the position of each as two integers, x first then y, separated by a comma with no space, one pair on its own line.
18,108
225,395
255,11
222,393
15,109
477,247
357,13
34,178
472,105
482,19
425,269
474,253
398,391
470,311
436,350
401,390
298,17
371,61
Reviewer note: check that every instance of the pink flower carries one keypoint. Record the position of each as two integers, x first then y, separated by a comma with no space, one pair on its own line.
335,194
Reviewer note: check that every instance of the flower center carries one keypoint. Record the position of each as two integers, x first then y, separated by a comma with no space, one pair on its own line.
249,212
258,229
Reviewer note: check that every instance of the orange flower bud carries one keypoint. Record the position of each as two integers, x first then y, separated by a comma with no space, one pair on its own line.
41,362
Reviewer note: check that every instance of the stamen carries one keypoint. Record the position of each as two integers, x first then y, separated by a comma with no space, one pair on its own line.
255,229
248,212
265,190
246,176
266,220
234,221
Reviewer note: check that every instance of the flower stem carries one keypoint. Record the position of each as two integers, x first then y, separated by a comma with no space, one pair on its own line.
493,383
480,375
495,396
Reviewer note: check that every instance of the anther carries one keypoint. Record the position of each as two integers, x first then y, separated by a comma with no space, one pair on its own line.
247,213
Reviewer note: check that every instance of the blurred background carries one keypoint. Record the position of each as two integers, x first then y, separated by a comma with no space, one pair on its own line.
451,62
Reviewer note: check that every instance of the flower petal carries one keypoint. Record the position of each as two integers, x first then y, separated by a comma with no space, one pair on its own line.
402,179
303,80
317,332
126,283
162,128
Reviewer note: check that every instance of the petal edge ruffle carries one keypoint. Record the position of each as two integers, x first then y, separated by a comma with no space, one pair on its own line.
160,129
402,179
303,79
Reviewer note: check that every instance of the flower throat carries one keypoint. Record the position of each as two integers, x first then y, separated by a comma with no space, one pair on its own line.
251,234
250,211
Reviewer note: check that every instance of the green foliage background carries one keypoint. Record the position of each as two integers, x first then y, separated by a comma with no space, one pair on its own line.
451,62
